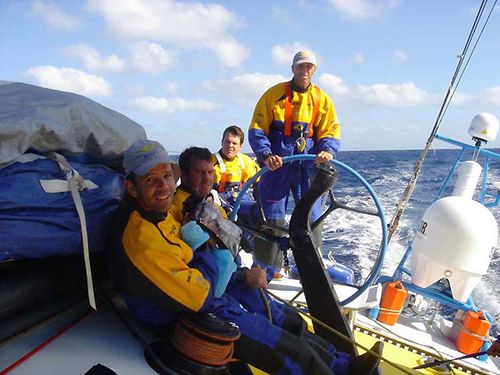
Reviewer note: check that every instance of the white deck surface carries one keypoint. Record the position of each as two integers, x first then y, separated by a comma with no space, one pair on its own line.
98,338
415,332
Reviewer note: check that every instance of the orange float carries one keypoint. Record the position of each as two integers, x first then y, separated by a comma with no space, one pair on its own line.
474,331
392,302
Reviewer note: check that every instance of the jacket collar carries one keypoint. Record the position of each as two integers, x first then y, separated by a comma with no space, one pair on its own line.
299,89
151,216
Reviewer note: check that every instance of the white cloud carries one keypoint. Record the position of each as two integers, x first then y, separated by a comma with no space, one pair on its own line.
380,94
363,9
145,57
135,90
358,58
282,14
402,95
93,61
246,88
68,79
188,25
151,57
333,84
54,16
283,54
171,105
150,103
461,99
230,52
399,55
491,96
172,89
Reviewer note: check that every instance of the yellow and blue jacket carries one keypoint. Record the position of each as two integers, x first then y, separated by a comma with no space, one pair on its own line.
154,267
284,114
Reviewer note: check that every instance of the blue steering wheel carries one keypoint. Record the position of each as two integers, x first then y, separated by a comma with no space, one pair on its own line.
379,213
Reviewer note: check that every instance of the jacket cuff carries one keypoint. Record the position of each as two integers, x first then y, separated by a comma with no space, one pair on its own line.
241,274
261,158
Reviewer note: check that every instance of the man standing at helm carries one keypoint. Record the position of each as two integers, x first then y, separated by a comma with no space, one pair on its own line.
291,118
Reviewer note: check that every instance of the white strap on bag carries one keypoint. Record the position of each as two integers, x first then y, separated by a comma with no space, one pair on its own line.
62,186
75,183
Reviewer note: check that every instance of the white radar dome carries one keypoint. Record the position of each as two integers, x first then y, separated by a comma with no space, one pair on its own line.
484,126
455,241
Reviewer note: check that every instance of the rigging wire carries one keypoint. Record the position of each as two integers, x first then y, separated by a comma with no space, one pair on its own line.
472,52
459,72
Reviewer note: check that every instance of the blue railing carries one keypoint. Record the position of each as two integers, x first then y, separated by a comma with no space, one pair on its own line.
434,294
487,156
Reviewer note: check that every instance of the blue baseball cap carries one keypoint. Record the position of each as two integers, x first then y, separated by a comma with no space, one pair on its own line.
144,155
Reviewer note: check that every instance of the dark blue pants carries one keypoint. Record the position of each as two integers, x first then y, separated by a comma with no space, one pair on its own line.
276,350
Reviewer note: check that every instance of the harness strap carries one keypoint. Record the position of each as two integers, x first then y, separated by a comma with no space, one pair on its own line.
222,183
223,177
243,170
316,93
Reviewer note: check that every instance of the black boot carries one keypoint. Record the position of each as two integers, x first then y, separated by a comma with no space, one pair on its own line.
368,362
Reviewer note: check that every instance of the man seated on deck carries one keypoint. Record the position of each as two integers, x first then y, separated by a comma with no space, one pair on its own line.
231,167
161,276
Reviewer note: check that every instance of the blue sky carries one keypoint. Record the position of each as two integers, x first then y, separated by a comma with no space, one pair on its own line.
186,70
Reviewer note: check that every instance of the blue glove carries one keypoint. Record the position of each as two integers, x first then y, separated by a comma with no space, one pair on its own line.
193,235
225,268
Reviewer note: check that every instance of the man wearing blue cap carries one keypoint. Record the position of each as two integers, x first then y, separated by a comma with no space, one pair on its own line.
291,118
161,276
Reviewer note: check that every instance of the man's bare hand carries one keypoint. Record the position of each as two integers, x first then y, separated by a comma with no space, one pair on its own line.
273,162
323,157
494,349
256,278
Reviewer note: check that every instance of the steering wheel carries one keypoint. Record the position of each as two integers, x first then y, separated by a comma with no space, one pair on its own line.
336,205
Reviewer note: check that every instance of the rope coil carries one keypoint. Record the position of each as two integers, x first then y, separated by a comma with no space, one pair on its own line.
203,344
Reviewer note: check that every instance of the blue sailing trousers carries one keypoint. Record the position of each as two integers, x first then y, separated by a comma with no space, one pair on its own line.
276,350
274,189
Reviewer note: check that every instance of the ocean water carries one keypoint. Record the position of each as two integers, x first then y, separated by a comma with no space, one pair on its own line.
354,238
